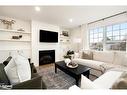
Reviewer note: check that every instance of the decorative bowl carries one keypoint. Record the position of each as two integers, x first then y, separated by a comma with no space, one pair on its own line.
72,65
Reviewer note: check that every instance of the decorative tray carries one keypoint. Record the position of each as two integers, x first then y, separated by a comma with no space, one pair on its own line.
72,65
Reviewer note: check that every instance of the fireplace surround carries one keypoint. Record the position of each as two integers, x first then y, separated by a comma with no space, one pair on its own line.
46,57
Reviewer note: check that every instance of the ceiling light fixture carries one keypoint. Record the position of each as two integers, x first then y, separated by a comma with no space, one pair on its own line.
37,9
70,20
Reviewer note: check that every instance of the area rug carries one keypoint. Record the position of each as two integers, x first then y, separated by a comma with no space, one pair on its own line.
52,80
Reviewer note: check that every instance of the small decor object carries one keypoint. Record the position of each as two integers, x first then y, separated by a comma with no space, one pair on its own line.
67,61
8,23
65,33
20,36
67,56
17,37
70,52
21,29
72,65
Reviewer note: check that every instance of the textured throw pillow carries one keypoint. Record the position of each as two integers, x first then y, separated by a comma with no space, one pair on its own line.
18,70
88,84
87,55
121,82
23,68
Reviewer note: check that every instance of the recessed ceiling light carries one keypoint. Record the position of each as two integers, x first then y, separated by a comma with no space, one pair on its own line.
37,9
71,20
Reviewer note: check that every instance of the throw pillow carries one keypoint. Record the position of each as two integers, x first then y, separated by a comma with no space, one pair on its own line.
87,55
23,68
11,71
121,82
87,84
3,77
18,70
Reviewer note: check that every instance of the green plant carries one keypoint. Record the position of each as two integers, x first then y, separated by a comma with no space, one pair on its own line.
70,52
67,56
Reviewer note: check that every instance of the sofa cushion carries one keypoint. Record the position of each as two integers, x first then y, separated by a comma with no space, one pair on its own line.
89,63
108,79
103,56
119,58
3,77
121,82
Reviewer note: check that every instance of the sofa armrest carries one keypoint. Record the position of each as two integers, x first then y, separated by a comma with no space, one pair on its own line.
103,69
34,83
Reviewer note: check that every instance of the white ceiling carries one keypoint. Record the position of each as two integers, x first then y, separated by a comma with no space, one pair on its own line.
60,15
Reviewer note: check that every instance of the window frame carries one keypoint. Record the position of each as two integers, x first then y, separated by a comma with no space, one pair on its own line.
105,34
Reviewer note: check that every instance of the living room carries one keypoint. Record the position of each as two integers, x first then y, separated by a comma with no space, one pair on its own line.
67,47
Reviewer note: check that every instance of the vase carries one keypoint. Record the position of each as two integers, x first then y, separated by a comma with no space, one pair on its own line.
67,61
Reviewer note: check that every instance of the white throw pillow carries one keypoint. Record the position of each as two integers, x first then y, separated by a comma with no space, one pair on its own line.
18,69
87,84
23,68
11,71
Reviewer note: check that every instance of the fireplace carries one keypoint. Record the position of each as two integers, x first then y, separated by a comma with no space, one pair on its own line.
46,57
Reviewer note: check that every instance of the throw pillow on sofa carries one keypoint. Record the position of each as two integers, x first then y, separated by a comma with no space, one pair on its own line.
18,69
87,55
23,68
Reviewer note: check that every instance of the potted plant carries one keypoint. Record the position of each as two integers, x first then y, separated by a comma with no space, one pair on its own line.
70,52
67,56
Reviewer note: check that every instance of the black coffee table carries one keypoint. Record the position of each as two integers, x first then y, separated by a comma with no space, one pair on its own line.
73,72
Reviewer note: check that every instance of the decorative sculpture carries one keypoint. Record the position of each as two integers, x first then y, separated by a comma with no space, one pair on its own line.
8,23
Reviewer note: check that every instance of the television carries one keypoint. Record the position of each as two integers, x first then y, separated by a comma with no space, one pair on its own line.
48,36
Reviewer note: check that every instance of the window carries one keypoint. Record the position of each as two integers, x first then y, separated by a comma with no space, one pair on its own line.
96,38
115,37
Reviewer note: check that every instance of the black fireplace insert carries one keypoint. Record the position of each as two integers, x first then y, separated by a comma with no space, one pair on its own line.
46,57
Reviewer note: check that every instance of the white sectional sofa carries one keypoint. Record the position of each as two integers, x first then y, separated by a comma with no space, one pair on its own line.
103,61
106,81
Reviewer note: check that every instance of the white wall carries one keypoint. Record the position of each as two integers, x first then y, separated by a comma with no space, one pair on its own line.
7,46
36,45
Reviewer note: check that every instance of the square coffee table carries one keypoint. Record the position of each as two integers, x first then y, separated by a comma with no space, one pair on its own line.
73,72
